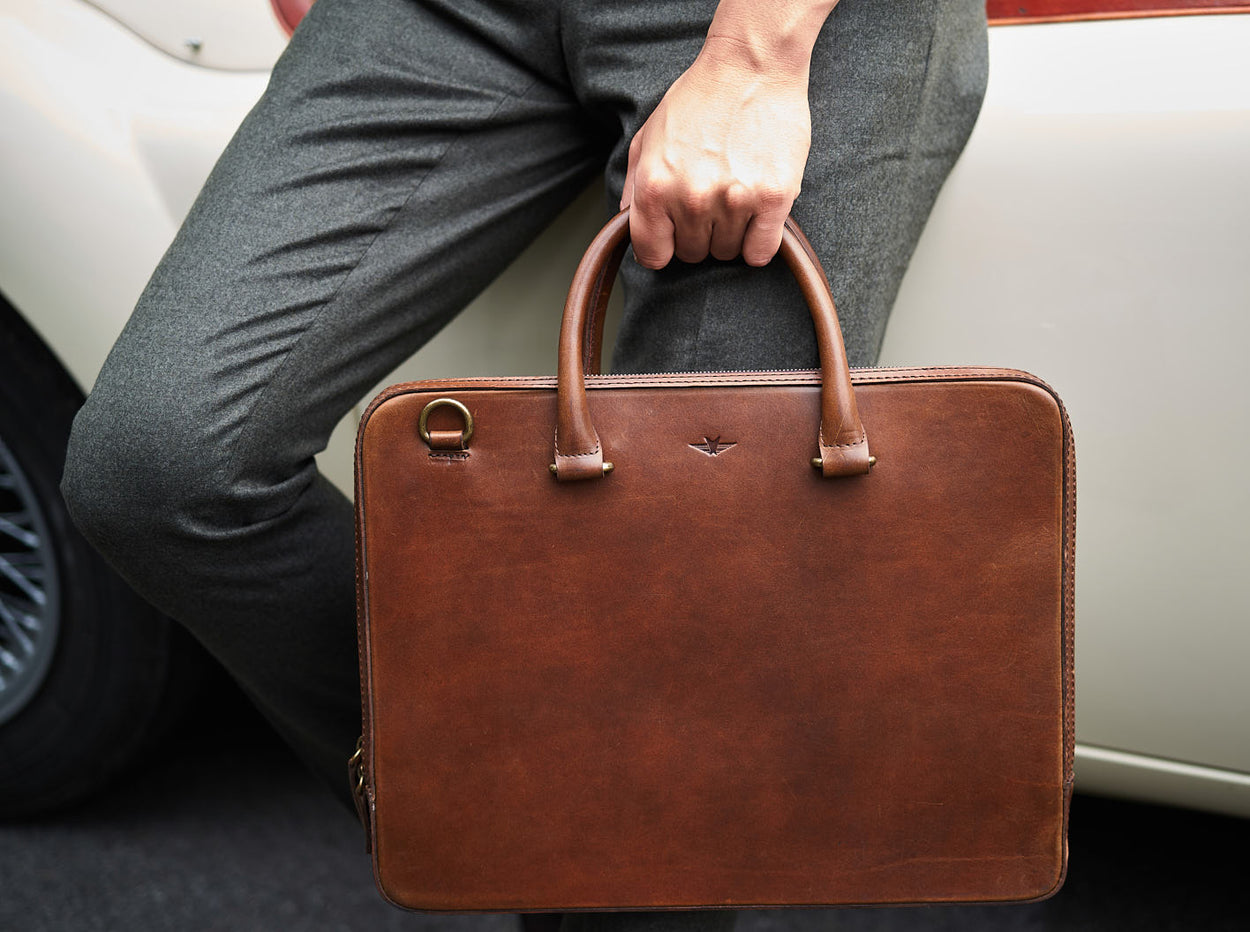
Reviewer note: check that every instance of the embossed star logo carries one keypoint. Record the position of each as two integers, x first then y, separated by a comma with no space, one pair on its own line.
714,446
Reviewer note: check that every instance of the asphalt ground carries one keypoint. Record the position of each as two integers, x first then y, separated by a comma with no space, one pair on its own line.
221,829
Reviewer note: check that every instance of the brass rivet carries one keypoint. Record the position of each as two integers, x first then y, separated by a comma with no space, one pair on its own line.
819,463
607,468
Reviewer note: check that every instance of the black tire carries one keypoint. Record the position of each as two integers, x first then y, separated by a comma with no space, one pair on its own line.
88,666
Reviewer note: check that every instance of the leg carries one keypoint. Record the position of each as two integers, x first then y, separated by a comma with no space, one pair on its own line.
895,89
399,160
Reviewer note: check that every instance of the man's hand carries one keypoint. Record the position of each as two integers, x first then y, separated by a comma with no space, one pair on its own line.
717,165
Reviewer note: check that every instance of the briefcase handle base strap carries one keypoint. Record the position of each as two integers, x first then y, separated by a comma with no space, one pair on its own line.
579,454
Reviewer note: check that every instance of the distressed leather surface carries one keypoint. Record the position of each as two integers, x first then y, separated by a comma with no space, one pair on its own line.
719,680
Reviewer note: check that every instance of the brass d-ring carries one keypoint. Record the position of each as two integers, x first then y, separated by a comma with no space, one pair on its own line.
465,434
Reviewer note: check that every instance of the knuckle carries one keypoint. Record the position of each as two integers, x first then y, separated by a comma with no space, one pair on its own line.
737,197
649,187
694,200
773,197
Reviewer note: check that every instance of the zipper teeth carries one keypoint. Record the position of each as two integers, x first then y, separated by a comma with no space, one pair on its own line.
910,373
707,372
468,381
767,371
688,372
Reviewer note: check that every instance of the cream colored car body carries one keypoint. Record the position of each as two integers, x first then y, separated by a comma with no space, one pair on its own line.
1096,232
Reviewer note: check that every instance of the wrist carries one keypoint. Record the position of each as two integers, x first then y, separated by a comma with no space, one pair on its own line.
767,38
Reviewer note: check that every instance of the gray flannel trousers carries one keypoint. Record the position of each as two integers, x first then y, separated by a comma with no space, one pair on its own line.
404,153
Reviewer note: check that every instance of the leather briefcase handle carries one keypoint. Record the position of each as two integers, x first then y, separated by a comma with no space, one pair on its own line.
579,454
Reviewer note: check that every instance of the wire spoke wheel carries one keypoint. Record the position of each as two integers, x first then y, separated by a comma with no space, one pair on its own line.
90,674
29,600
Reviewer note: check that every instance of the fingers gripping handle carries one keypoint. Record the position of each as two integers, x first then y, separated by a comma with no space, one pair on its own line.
579,454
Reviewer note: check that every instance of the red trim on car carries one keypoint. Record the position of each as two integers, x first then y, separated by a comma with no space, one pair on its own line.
1007,12
290,12
1001,12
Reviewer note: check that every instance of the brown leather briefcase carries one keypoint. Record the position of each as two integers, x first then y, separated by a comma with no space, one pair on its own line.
667,641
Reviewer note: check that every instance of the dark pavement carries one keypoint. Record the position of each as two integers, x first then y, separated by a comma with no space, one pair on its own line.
221,829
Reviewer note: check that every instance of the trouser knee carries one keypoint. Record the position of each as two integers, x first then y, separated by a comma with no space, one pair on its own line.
135,492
